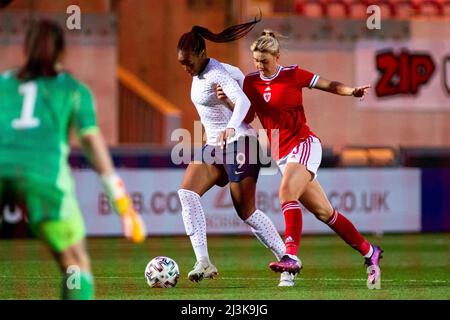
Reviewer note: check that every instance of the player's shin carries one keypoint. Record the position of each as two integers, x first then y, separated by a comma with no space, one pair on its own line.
347,231
265,231
194,222
293,220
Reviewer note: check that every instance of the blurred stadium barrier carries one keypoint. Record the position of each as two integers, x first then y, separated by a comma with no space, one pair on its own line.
323,36
380,199
368,157
425,157
153,157
145,116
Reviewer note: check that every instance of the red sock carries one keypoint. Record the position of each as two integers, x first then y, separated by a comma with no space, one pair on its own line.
347,231
293,220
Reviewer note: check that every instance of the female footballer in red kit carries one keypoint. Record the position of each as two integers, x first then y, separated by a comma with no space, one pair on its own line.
275,93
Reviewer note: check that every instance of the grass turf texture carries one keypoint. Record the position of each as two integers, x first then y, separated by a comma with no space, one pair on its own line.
414,267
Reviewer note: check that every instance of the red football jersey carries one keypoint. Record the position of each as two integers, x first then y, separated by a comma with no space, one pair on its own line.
278,102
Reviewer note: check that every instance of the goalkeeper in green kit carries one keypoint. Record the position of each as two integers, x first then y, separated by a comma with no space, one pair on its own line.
39,105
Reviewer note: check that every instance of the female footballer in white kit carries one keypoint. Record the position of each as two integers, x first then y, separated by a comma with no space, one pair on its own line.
228,137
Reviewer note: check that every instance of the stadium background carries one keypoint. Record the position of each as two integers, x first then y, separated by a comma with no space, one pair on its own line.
143,94
386,160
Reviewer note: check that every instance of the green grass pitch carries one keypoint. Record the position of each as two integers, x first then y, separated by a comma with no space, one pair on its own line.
415,266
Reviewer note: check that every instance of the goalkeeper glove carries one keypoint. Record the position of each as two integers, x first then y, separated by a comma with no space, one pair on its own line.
132,224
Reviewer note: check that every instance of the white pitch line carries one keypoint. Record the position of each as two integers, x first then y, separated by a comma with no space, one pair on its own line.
246,278
330,279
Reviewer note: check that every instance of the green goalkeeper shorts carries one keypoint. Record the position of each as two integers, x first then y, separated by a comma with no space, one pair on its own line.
53,214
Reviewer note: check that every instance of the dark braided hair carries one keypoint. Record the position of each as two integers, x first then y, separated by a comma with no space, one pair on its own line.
194,40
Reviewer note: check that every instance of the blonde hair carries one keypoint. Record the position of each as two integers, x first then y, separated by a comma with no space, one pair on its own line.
267,43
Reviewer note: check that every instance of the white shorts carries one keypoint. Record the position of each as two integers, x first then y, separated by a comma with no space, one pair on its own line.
307,153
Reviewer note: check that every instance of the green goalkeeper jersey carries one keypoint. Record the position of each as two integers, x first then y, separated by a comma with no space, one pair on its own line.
35,121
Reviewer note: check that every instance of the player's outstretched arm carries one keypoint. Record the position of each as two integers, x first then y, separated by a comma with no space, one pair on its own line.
341,89
132,223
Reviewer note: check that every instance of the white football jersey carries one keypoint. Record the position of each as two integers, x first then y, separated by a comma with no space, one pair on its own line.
215,114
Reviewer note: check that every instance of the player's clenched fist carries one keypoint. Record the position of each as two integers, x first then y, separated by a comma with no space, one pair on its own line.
220,94
132,224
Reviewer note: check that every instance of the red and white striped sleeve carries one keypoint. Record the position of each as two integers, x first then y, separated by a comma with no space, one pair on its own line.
306,79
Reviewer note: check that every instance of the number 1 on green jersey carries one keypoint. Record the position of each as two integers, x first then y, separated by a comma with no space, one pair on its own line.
26,120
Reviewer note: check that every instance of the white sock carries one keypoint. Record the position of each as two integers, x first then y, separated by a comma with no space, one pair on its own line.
369,254
293,257
264,229
194,222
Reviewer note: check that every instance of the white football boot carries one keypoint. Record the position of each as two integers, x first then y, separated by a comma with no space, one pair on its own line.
203,269
287,279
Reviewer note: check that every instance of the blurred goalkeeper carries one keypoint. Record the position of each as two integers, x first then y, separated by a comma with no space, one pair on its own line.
39,104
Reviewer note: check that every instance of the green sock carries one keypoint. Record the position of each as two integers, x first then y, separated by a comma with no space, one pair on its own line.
78,286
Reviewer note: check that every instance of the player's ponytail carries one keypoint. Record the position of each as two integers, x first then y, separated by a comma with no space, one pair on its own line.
267,43
194,40
44,43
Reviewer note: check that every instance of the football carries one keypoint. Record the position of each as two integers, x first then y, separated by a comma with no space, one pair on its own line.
162,272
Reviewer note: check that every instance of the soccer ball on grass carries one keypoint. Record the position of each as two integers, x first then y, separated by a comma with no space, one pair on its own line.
162,272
